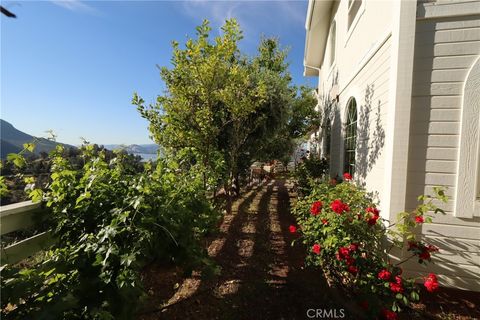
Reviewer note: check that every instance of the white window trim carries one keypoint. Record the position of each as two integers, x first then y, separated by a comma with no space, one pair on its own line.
467,202
334,61
360,12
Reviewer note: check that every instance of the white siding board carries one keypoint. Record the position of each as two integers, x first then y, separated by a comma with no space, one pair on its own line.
447,24
437,102
437,115
417,189
443,179
439,76
451,269
445,115
447,207
444,63
446,36
438,127
447,9
448,49
438,89
450,231
438,166
459,245
442,153
449,219
444,256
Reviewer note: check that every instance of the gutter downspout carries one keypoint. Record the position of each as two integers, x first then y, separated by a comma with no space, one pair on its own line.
311,67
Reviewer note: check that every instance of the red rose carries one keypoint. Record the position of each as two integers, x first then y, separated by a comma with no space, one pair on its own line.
349,261
338,206
347,176
353,270
316,208
372,221
419,219
292,229
431,283
396,287
425,255
384,275
344,252
372,215
325,221
431,248
389,315
398,279
316,248
373,210
353,247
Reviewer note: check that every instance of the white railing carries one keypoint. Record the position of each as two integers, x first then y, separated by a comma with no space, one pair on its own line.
16,217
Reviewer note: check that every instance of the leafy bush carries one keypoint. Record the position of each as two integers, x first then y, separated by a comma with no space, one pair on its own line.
109,222
309,173
345,236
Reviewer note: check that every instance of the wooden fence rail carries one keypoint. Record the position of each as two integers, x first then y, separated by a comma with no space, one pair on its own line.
16,217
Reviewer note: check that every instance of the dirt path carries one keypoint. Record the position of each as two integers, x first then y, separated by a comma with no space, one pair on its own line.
261,275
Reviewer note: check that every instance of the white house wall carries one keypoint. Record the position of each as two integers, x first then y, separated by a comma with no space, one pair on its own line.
446,47
361,69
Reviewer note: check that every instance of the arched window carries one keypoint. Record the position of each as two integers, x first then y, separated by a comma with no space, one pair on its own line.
350,137
327,139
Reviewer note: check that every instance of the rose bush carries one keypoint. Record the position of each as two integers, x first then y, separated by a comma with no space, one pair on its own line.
342,227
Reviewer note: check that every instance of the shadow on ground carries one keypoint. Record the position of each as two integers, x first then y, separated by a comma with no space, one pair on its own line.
262,275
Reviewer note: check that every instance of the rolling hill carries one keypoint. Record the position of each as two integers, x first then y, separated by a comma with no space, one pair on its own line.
12,140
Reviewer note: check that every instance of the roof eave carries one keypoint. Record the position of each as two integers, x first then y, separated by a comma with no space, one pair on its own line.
317,26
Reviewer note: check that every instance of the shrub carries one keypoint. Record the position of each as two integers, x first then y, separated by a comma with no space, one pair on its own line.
309,173
345,236
109,222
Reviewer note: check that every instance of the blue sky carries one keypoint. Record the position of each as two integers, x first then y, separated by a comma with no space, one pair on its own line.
72,66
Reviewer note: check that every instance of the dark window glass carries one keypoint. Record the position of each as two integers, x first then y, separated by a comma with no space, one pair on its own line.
350,137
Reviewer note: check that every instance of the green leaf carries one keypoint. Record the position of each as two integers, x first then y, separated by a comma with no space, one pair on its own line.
414,295
17,159
29,146
36,195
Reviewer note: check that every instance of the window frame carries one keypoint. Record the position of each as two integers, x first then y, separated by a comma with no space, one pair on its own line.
327,139
332,40
350,127
350,28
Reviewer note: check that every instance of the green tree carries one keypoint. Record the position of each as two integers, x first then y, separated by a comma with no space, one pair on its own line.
223,110
188,119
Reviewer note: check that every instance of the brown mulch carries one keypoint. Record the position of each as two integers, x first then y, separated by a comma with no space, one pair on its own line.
262,276
451,304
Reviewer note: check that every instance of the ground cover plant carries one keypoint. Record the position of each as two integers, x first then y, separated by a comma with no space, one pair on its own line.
109,221
348,239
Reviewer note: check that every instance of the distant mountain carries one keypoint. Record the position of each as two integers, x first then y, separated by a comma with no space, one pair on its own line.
12,140
135,148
